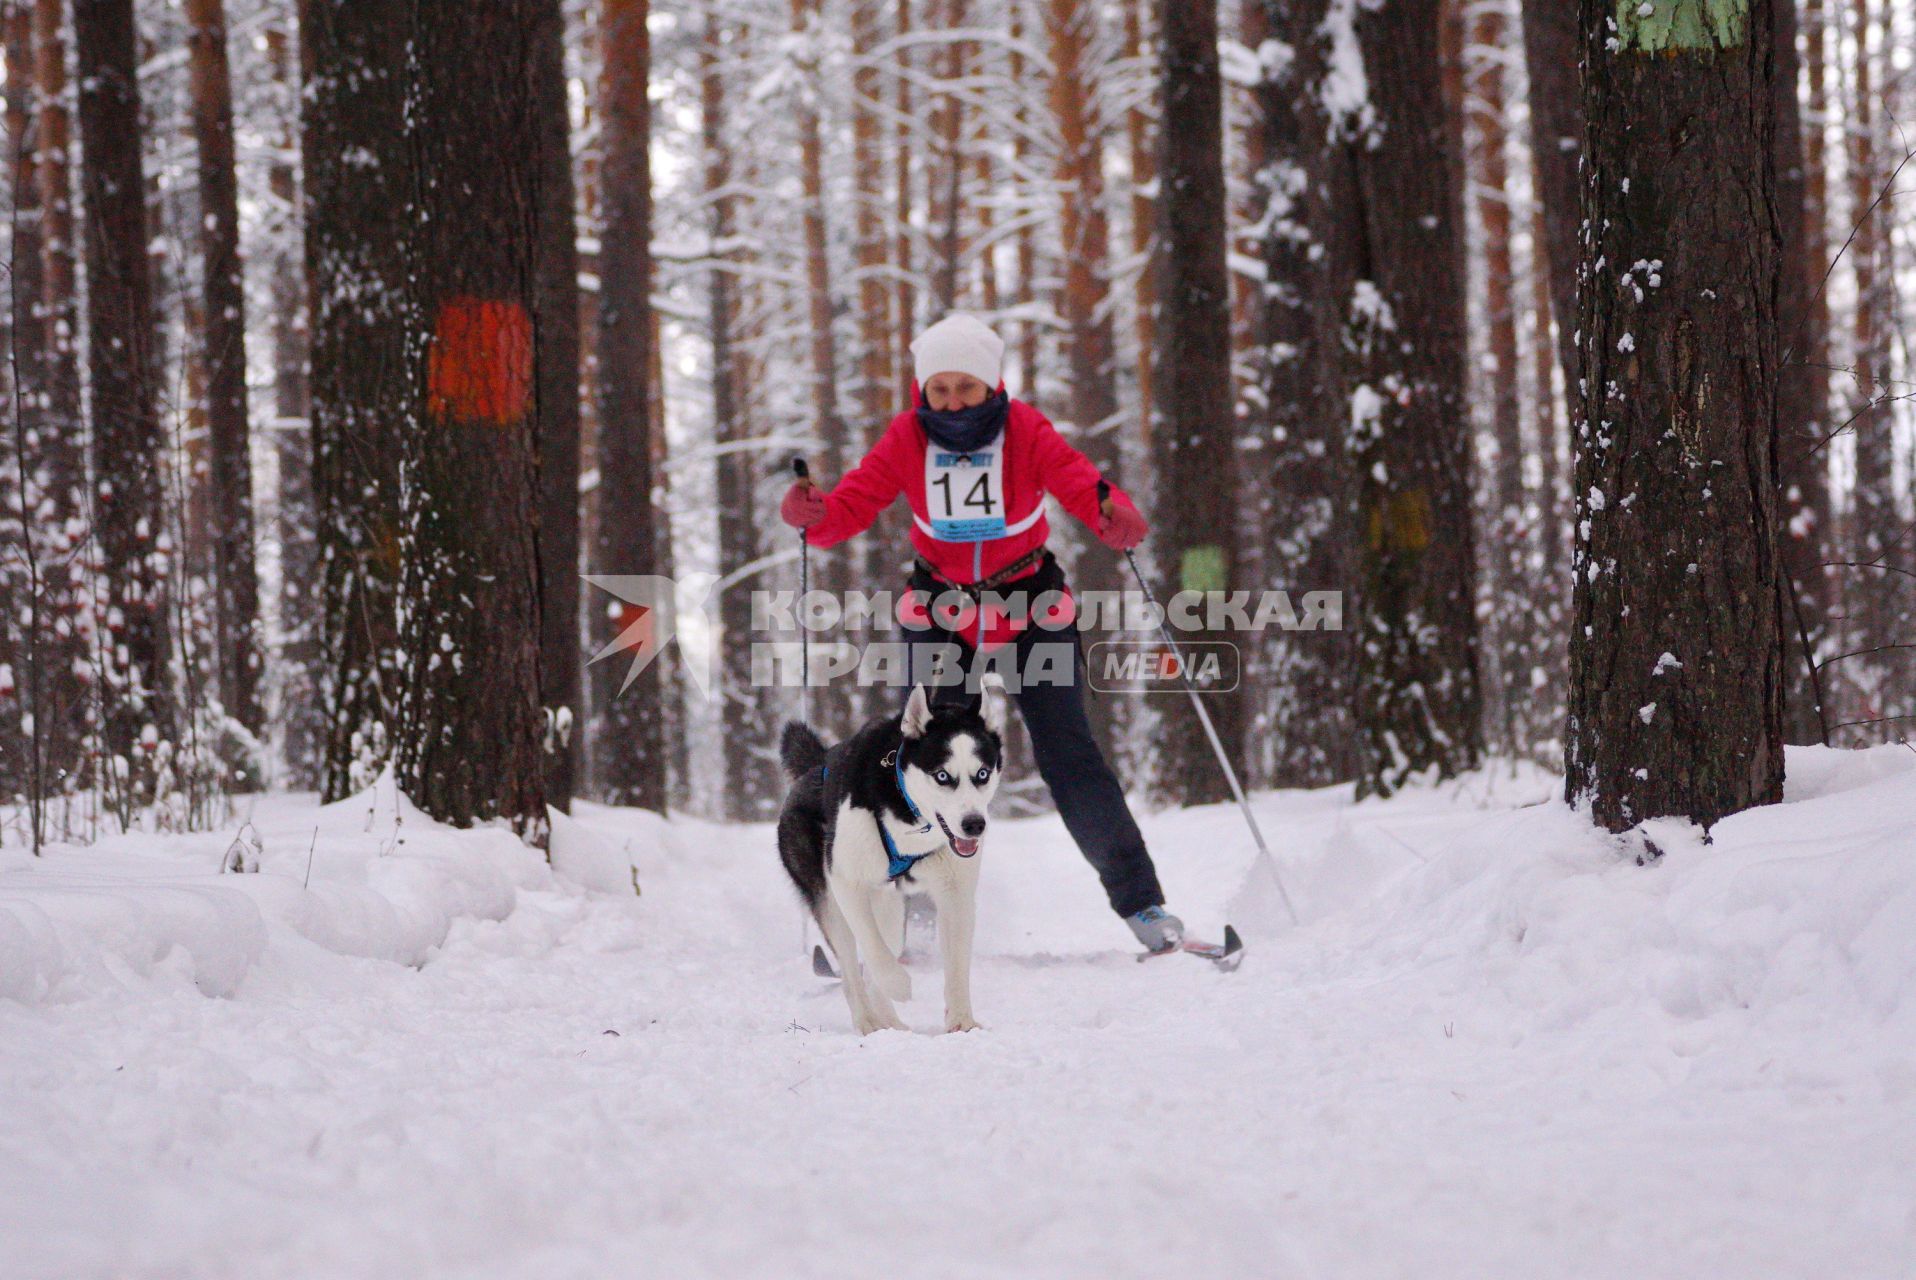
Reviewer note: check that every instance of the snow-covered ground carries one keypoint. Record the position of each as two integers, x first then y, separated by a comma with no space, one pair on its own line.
1496,1047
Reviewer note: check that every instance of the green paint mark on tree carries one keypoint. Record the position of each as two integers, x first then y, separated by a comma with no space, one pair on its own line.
1673,26
1203,569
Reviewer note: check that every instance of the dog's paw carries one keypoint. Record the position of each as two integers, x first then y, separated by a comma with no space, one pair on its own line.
964,1023
894,982
886,1022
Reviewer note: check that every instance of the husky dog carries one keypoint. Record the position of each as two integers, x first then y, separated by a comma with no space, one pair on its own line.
900,804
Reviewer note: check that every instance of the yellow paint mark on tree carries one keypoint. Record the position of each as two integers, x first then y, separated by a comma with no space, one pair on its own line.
1401,522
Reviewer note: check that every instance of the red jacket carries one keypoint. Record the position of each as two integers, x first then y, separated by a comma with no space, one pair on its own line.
1037,461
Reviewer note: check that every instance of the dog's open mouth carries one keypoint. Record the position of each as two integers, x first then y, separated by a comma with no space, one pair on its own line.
959,845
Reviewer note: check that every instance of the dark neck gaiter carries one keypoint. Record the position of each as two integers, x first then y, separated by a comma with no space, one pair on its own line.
965,430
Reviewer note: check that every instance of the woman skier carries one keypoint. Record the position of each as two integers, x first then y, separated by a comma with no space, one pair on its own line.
975,466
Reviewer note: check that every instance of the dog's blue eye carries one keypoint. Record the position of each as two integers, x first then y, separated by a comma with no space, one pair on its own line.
982,776
944,779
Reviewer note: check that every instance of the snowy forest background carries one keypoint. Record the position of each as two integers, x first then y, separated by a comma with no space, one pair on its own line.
266,526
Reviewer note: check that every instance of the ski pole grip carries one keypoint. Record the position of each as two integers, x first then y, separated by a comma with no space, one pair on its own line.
1104,491
802,470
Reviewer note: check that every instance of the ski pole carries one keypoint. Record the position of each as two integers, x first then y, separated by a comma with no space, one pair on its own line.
804,474
1204,718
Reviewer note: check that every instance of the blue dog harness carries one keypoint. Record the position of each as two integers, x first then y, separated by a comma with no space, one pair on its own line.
897,863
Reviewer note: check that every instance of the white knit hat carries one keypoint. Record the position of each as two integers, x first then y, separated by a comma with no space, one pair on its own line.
959,343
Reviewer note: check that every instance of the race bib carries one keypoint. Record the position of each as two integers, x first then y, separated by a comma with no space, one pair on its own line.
965,494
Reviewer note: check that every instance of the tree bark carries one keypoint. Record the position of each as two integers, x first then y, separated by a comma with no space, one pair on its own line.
1140,133
556,326
1676,653
1552,55
1197,457
298,713
121,358
831,706
630,752
1309,529
471,731
1397,258
223,298
1802,395
359,204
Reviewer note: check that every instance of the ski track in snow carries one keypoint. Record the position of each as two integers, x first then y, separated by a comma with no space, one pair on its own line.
1496,1048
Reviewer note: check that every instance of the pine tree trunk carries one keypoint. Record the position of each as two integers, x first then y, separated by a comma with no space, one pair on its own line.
1802,394
746,786
556,326
470,739
1309,531
1140,134
235,579
630,749
945,196
358,199
906,314
1196,453
298,712
1397,258
1084,303
830,704
1552,54
122,364
69,707
24,601
1676,693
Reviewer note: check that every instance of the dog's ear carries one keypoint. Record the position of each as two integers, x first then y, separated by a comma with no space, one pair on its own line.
993,702
917,712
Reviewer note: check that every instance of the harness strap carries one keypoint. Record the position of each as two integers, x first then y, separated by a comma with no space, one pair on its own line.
900,863
1023,565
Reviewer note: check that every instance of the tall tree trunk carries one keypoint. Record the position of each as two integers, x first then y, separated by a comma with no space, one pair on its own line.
902,148
24,600
470,739
556,326
1802,394
359,218
301,720
1025,249
1872,596
121,357
1397,258
630,753
830,705
1140,133
1084,303
1676,693
1197,457
1552,54
235,578
1512,628
68,702
945,195
746,787
1309,531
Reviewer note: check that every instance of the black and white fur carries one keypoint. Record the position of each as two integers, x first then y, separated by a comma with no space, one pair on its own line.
828,839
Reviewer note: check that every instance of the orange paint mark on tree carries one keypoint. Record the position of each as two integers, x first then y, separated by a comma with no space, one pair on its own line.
479,368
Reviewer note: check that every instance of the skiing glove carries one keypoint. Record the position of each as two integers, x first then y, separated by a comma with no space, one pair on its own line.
804,505
1121,527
